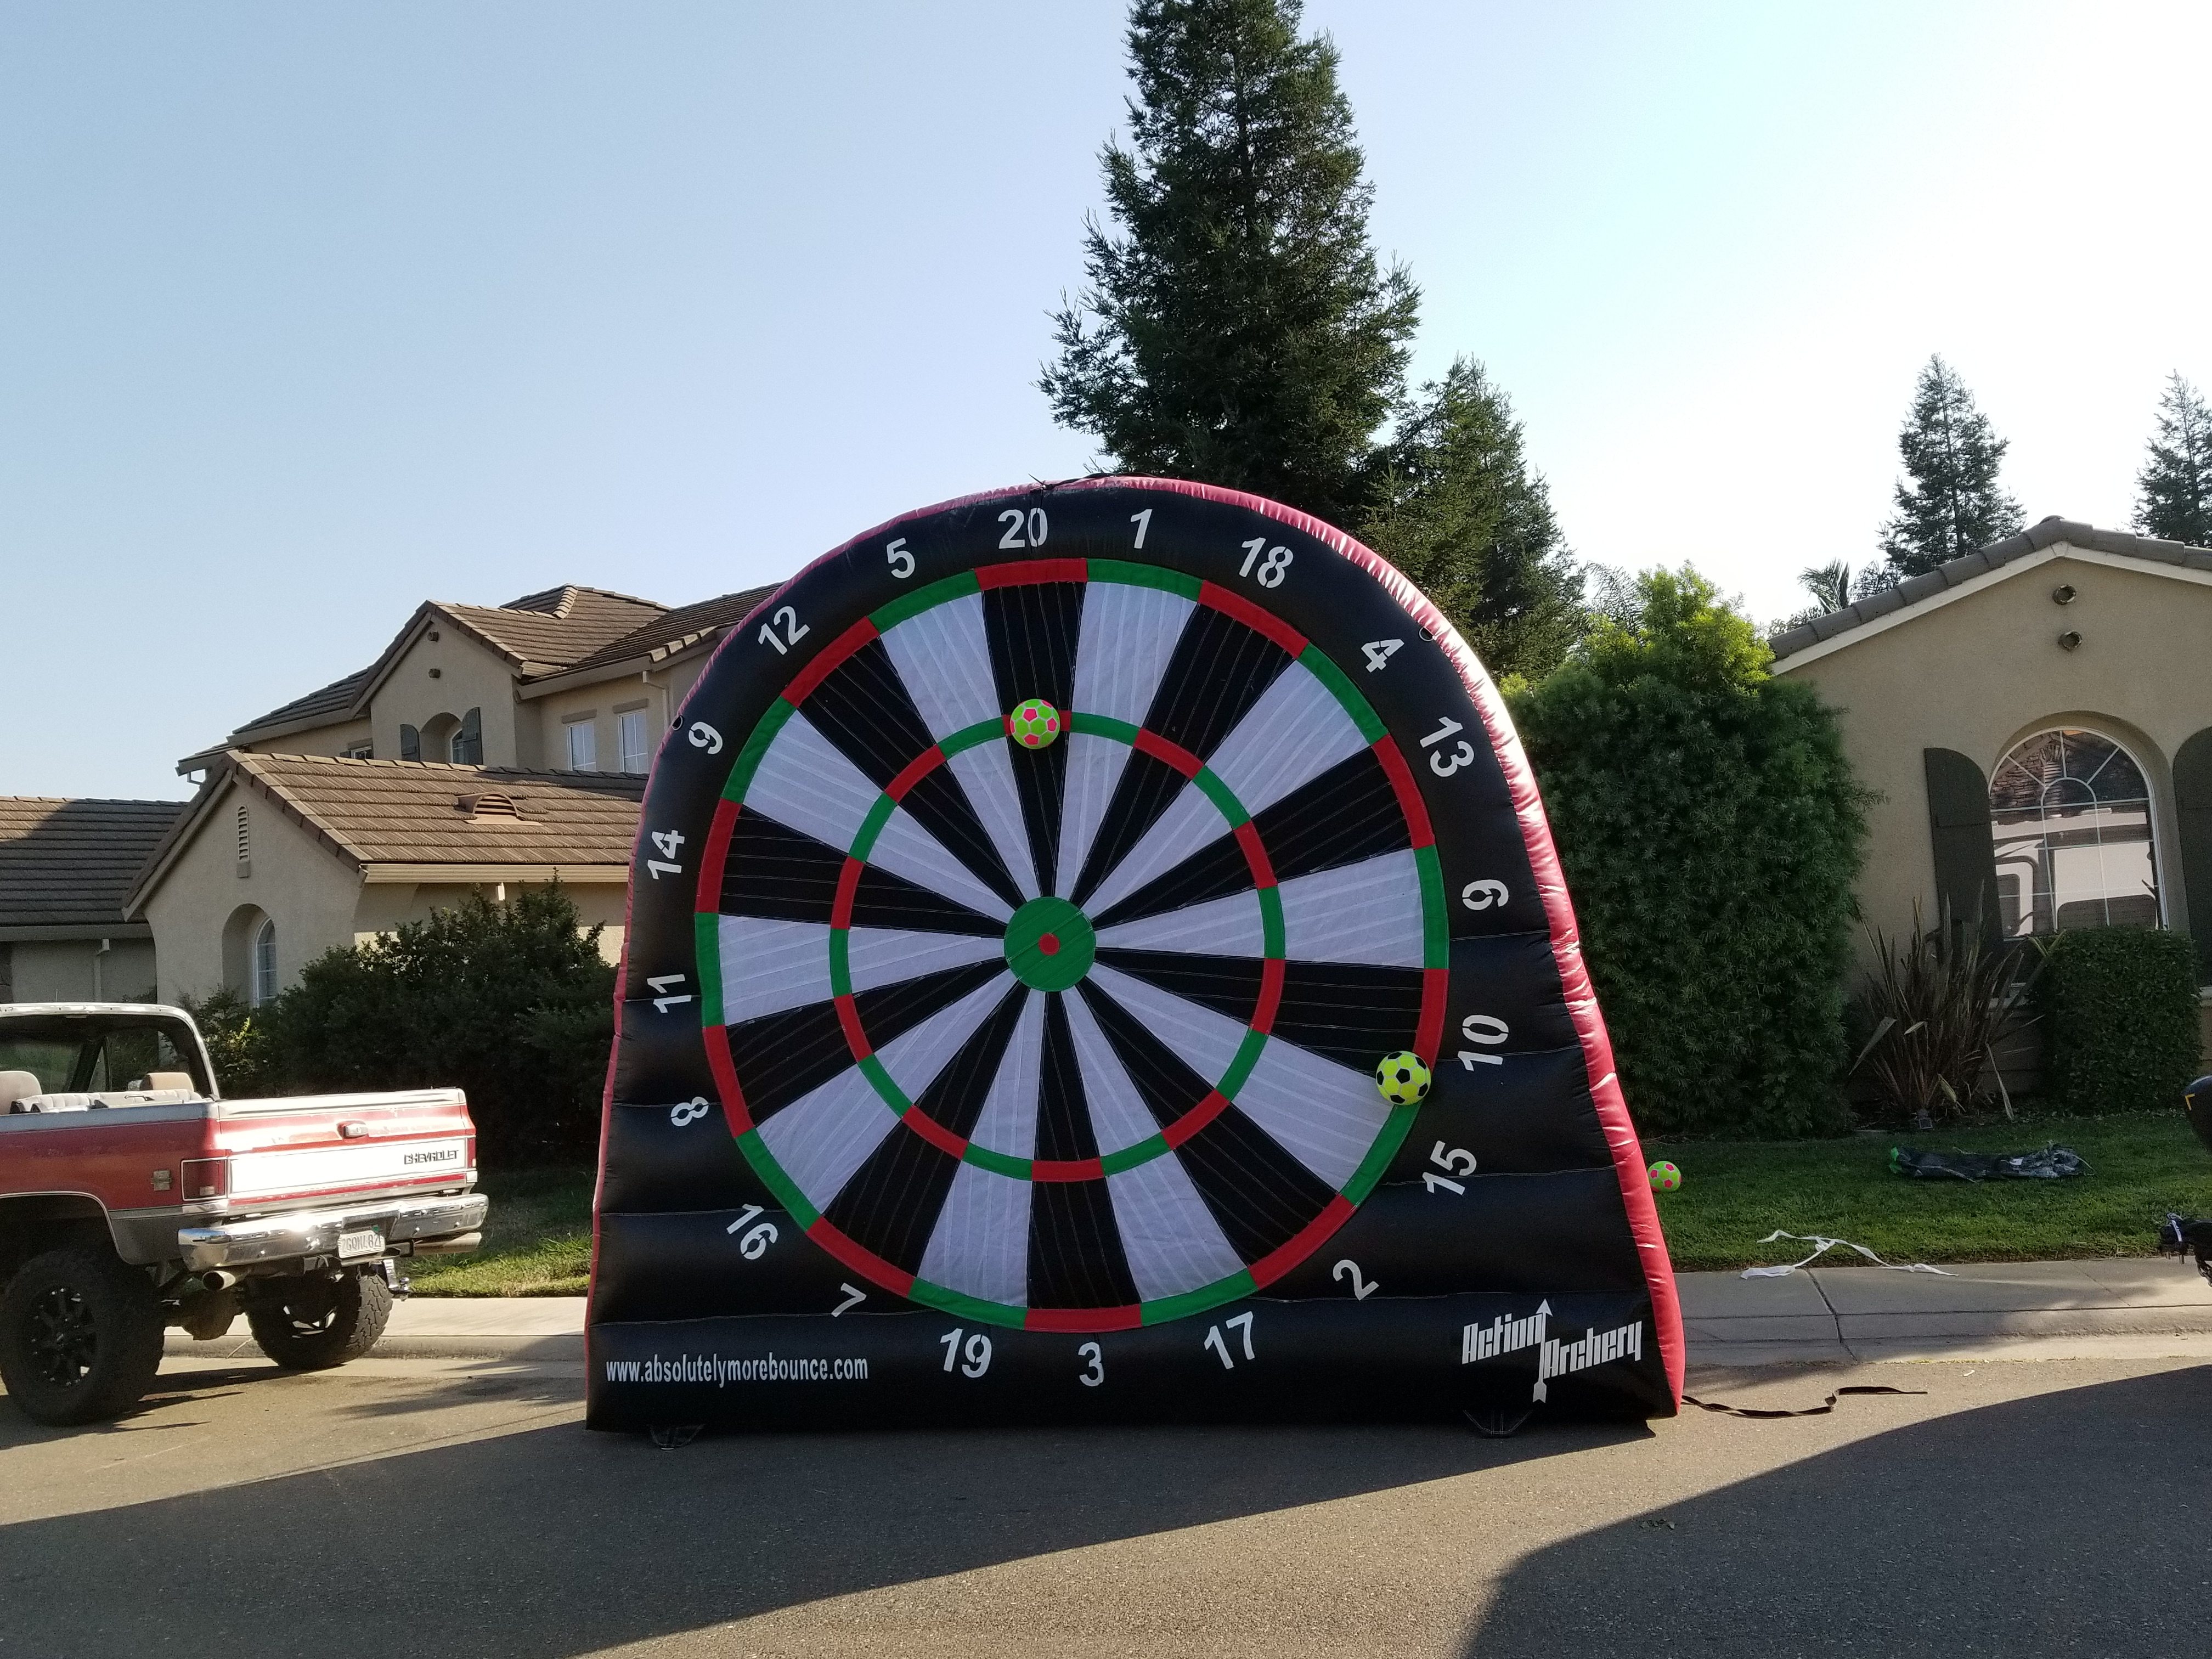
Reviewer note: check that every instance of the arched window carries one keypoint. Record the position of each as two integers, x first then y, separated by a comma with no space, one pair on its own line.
2069,812
264,964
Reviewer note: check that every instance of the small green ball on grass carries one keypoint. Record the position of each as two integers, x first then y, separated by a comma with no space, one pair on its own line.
1665,1178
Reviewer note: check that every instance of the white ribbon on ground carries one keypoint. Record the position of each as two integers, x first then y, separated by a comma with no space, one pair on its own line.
1822,1246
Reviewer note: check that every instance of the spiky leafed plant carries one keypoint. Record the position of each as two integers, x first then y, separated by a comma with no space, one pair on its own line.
1829,584
1939,1004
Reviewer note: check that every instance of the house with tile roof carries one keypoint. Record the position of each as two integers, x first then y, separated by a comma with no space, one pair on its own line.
280,858
65,868
486,749
572,679
2034,720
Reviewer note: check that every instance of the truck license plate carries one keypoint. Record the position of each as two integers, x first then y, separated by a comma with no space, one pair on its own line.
354,1246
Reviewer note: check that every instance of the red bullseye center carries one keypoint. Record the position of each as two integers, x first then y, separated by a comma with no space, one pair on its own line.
1049,944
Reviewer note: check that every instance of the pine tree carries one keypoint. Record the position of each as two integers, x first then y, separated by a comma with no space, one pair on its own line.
1951,504
1239,329
1459,511
2174,500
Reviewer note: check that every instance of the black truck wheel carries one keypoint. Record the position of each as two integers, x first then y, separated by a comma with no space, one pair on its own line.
80,1337
311,1324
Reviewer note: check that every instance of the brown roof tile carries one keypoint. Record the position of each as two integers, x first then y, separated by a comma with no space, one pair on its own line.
71,863
378,811
680,627
576,623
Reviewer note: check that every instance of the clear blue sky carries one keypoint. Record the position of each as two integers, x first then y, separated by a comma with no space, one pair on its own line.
308,314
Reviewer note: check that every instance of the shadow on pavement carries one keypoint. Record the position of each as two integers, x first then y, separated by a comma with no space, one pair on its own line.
2066,1522
554,1541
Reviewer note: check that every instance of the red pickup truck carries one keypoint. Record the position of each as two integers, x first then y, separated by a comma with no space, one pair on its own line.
133,1197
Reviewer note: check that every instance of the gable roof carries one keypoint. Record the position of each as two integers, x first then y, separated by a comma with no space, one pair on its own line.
562,630
369,812
69,863
671,630
1978,569
545,633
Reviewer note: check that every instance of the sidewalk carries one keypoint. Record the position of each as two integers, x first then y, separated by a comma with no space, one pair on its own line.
2118,1307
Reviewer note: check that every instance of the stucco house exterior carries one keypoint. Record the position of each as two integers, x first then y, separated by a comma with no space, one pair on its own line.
282,857
486,749
571,679
65,867
2037,721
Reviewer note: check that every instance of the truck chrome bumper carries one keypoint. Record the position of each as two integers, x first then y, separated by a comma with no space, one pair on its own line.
315,1232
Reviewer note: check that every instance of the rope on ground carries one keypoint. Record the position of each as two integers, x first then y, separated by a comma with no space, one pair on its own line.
1809,1411
1822,1246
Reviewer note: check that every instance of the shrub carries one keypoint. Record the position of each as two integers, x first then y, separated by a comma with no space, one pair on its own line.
1709,829
1936,1007
2120,1009
237,1043
508,1002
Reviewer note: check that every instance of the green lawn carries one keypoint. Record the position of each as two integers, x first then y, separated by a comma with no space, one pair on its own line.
1734,1193
538,1239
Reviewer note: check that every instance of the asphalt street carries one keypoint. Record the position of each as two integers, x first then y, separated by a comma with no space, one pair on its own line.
433,1508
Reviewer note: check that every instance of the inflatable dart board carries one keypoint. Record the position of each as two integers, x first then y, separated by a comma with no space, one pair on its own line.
1096,952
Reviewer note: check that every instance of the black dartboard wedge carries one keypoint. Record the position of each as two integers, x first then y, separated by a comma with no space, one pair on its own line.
1025,898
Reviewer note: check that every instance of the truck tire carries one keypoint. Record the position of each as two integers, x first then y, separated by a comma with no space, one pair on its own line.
80,1337
312,1324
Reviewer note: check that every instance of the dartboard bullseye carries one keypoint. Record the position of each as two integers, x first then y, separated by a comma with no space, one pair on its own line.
1082,916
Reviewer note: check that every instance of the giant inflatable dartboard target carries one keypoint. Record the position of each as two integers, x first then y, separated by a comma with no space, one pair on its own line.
1026,897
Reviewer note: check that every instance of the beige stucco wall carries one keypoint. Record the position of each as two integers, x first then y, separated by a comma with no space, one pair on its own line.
385,905
295,880
469,675
73,970
1983,670
335,740
603,701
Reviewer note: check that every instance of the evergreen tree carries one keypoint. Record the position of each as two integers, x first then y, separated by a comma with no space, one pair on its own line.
2174,499
1458,510
1950,504
1239,329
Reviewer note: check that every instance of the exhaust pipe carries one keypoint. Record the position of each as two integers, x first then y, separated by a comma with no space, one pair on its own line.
217,1280
459,1244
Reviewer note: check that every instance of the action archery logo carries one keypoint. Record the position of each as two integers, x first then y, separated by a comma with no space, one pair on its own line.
1553,1358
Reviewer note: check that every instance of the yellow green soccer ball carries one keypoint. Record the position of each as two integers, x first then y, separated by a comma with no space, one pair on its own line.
1403,1078
1035,723
1665,1178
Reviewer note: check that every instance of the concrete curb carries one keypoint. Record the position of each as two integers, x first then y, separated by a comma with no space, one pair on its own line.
1847,1316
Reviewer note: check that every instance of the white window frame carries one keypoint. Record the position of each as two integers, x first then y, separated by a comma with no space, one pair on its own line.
583,739
2154,843
261,963
629,722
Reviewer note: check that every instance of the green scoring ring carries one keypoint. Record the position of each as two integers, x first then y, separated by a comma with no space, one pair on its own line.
1156,1145
1435,948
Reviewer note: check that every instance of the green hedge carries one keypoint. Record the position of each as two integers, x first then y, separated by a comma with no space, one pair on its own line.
2120,1019
1710,830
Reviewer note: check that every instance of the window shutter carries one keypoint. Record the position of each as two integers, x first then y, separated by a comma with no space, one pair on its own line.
1958,827
2192,802
468,742
411,744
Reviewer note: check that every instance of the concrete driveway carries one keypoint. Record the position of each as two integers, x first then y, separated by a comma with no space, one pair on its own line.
436,1508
